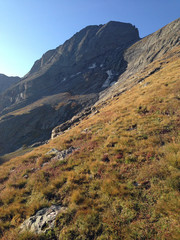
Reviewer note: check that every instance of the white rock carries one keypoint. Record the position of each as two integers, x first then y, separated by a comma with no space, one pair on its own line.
43,220
108,80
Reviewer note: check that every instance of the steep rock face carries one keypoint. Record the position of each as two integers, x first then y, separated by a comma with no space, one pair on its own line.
6,82
145,51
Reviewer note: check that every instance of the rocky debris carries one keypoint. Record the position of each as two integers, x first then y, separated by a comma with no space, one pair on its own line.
75,120
61,155
42,221
53,151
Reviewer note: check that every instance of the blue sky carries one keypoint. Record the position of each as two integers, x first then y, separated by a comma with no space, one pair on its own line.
29,28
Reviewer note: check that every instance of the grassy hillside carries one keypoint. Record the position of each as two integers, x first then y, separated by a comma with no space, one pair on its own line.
122,182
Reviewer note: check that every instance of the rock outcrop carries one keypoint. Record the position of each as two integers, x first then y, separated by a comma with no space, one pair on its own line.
61,155
42,221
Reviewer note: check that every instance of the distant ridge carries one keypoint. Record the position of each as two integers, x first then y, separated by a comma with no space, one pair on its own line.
6,82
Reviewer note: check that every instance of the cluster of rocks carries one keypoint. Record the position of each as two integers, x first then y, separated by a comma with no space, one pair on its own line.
43,220
61,155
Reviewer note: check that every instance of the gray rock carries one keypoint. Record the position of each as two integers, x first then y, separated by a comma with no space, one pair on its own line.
61,155
53,151
43,220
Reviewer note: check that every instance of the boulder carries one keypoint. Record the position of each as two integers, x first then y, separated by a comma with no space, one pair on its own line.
61,155
42,221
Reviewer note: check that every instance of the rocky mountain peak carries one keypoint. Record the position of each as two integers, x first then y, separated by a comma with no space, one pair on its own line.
88,43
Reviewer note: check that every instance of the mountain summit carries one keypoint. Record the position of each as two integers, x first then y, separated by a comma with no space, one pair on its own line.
91,42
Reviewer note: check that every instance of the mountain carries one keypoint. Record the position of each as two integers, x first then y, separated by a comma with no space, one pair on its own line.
73,64
112,175
62,83
6,82
97,63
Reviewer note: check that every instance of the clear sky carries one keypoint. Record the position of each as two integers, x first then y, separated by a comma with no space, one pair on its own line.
29,28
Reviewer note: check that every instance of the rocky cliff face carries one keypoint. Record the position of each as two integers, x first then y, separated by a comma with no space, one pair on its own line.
6,82
145,51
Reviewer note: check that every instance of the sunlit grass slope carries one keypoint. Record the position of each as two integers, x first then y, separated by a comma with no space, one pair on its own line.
122,182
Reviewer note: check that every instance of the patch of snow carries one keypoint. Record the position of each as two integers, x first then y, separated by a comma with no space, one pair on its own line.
64,79
92,66
101,65
108,80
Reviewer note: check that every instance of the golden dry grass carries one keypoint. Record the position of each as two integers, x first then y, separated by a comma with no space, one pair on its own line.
121,183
